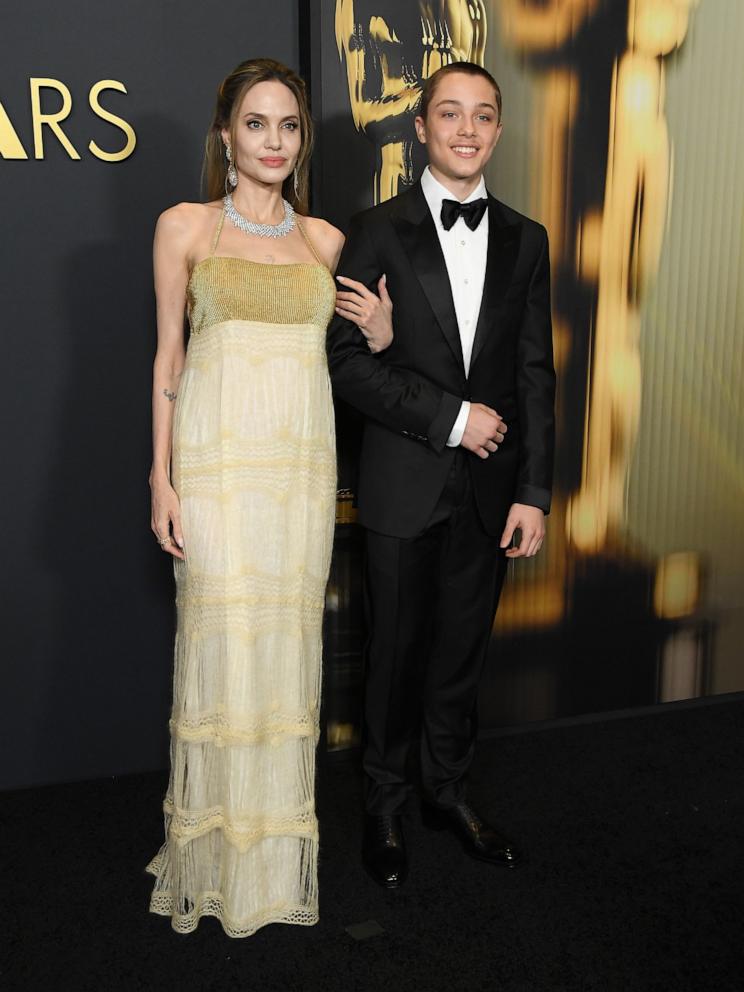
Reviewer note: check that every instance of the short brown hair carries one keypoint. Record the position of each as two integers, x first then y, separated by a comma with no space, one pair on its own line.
469,68
229,98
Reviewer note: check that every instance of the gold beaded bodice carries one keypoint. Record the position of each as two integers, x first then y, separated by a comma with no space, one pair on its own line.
224,288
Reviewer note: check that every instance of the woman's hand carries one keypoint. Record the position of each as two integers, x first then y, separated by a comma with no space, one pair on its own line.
166,513
372,314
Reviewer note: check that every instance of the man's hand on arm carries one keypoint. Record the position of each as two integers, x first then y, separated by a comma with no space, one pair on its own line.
530,520
484,430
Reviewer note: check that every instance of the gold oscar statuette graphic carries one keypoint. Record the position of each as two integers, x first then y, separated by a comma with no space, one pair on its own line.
618,241
629,240
388,54
612,246
11,146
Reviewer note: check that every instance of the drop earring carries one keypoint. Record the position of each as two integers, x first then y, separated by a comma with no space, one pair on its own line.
232,172
296,184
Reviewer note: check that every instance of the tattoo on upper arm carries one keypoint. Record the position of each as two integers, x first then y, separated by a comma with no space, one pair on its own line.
171,396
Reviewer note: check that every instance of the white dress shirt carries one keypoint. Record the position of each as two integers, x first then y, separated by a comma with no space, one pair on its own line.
465,257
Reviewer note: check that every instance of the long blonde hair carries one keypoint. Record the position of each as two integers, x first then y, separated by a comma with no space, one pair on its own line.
229,99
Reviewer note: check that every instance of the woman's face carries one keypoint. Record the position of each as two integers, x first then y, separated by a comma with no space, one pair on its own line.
267,134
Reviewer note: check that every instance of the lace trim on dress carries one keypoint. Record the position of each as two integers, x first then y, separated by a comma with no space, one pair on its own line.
242,831
221,729
212,904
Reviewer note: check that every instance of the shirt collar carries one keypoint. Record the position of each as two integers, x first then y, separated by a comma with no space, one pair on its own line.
435,192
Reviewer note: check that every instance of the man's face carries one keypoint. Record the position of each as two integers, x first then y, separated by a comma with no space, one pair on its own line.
461,126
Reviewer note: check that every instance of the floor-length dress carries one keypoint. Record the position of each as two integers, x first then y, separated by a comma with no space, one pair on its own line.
253,463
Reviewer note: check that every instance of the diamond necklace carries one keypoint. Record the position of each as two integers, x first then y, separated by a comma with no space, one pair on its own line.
280,230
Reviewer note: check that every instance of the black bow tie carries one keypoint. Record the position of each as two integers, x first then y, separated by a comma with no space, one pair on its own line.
471,213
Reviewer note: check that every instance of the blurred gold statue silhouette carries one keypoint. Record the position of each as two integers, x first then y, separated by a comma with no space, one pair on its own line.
613,245
389,48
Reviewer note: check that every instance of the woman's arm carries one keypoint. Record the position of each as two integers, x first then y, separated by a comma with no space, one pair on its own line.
173,234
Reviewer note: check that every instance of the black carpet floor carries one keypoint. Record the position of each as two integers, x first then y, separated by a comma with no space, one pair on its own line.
634,829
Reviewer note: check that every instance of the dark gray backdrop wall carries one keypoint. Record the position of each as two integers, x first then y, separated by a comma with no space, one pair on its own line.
87,603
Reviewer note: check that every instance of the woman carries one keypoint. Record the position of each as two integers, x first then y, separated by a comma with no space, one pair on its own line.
243,494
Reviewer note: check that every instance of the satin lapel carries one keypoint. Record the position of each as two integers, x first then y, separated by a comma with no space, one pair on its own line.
503,247
414,226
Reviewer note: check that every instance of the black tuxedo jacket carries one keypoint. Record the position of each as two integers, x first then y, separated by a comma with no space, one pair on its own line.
411,393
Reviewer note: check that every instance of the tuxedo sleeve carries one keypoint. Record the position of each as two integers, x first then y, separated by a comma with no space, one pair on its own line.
536,389
399,398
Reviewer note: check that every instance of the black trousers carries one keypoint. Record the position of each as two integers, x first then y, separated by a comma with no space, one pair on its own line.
430,601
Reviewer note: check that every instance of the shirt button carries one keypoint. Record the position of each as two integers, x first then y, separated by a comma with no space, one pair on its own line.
466,281
462,244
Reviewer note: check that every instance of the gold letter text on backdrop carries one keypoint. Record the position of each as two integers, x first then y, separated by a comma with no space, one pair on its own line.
106,115
10,143
51,120
11,146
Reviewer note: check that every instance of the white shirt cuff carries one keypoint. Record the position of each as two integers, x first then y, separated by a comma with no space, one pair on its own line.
458,428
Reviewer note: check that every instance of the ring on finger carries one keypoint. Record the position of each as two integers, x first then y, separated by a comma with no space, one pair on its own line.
164,540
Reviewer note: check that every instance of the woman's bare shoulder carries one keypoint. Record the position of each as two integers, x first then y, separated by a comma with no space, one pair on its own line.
322,229
327,239
187,221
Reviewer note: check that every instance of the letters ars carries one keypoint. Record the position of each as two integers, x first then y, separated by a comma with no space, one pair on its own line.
11,146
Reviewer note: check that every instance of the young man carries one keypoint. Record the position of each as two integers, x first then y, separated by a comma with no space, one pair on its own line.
457,456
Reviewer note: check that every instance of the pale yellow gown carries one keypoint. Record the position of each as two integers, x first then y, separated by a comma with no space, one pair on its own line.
254,466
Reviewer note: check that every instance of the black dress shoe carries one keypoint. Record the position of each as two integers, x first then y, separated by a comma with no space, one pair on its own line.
479,839
384,850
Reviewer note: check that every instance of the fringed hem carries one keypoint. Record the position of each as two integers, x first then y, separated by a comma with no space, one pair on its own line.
211,904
